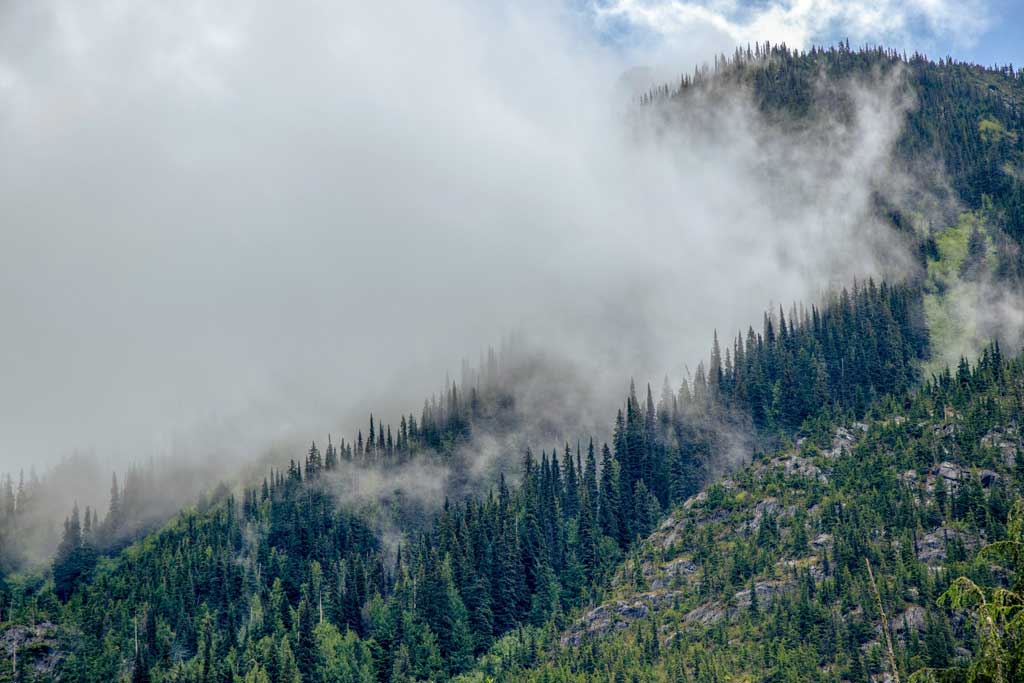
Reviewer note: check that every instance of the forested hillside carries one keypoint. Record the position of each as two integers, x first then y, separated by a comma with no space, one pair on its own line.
766,575
284,561
960,153
968,118
794,511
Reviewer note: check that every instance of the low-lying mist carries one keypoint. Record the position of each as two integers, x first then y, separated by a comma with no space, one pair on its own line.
236,227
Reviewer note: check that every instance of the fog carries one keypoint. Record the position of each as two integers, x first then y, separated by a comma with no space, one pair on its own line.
231,227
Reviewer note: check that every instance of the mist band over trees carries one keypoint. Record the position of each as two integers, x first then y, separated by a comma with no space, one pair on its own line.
720,284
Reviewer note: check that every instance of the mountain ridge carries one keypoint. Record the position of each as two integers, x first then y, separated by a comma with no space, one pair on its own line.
624,560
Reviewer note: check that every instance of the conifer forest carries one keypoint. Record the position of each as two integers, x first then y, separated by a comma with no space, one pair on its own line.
656,473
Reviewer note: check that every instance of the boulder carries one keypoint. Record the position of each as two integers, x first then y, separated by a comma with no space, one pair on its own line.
931,547
912,618
616,615
949,471
36,648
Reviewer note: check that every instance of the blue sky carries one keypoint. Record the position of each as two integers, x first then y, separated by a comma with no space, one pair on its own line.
984,31
1003,41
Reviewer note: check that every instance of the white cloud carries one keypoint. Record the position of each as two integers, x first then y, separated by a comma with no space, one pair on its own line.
799,23
284,210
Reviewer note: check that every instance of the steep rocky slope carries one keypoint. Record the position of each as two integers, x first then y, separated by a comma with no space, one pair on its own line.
763,576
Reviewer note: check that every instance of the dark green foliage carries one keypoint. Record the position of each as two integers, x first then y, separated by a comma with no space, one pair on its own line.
232,590
75,557
968,117
778,589
284,585
863,344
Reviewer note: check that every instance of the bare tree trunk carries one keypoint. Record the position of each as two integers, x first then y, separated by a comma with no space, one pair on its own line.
885,625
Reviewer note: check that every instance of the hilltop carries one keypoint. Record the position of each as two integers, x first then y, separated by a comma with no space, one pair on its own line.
805,496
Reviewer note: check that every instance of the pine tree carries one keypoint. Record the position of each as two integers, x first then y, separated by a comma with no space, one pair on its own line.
114,515
571,497
73,560
287,669
305,641
610,505
590,485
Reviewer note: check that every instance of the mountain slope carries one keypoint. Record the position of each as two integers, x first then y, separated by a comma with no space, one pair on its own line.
769,565
239,588
965,119
576,573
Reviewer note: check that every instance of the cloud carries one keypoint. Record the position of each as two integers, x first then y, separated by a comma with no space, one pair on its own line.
677,24
227,225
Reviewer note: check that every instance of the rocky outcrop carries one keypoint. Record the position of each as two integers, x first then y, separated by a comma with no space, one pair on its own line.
671,573
950,472
822,542
931,547
34,648
844,440
708,614
617,615
1007,442
988,477
766,592
713,612
768,506
911,619
793,465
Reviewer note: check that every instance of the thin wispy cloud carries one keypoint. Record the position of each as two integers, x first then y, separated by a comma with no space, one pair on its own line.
799,23
212,209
